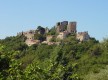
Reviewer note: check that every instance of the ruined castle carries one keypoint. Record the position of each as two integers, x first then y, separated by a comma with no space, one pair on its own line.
63,29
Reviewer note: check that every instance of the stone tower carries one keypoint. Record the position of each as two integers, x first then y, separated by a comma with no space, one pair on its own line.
71,28
64,25
59,28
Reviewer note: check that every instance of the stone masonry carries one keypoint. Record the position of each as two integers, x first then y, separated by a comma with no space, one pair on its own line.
63,26
63,29
82,36
71,28
62,35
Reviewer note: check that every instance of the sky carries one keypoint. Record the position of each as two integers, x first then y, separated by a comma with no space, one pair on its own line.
23,15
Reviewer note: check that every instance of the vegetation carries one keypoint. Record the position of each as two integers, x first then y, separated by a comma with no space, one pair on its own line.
70,60
52,31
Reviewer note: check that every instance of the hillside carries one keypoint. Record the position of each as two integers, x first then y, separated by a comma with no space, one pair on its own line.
59,53
70,60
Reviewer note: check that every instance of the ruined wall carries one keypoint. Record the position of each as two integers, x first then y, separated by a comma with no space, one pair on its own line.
62,35
82,36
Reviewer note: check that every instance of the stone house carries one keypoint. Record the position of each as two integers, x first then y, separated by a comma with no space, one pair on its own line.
82,36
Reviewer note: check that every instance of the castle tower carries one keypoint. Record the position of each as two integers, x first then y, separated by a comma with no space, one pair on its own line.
59,28
64,25
71,28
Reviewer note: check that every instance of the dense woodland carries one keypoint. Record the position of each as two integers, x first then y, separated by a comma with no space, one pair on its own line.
70,60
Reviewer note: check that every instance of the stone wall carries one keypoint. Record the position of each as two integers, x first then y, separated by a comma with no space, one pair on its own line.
62,35
82,36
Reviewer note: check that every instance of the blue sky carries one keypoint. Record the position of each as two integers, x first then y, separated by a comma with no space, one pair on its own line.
22,15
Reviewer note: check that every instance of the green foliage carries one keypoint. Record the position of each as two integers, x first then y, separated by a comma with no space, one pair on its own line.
96,50
40,30
70,60
39,37
53,39
52,31
39,27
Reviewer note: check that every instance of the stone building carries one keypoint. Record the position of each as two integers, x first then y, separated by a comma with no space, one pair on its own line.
30,37
29,34
82,36
62,35
59,28
71,27
64,25
30,42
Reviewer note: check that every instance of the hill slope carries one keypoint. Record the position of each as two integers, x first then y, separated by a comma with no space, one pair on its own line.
70,60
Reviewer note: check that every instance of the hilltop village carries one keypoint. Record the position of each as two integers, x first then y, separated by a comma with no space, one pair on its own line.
54,35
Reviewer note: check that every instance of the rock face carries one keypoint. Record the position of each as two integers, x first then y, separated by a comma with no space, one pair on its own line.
82,36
